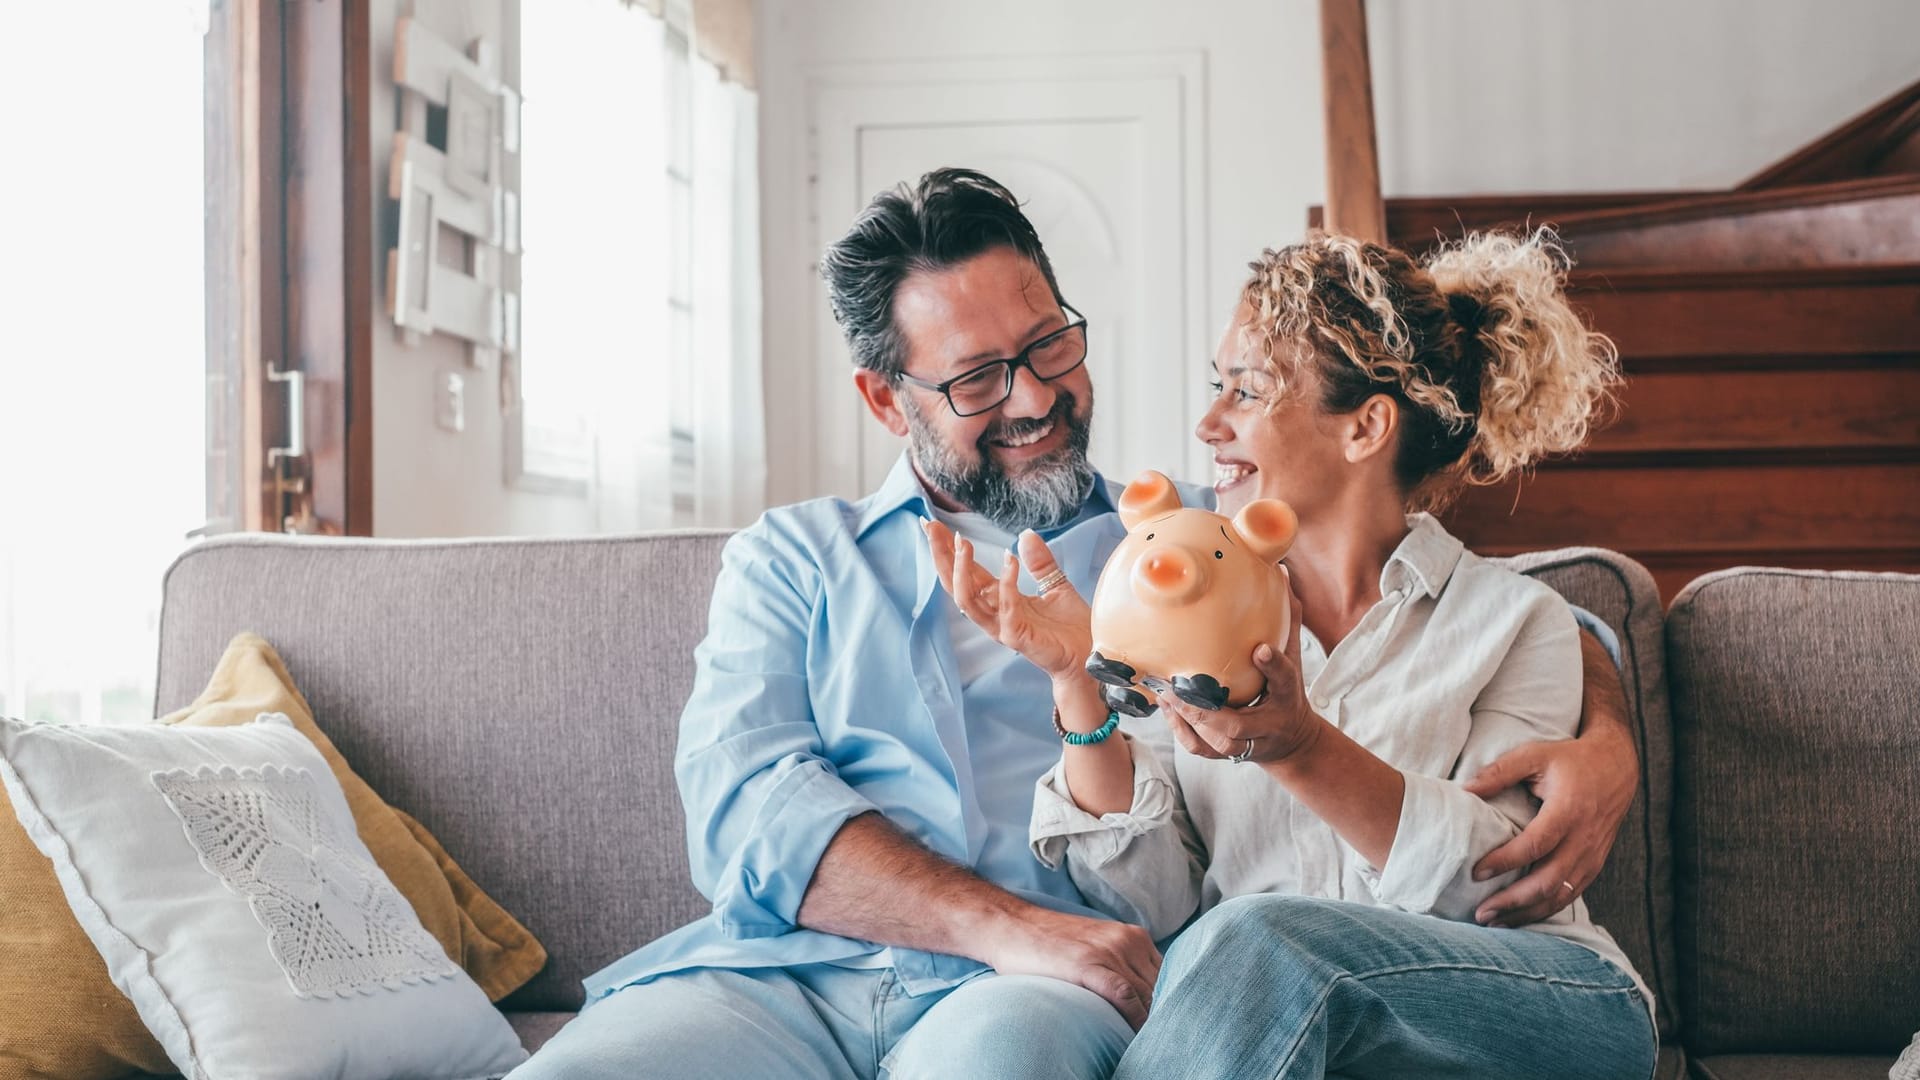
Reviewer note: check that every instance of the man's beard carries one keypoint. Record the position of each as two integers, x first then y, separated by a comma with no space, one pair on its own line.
1045,495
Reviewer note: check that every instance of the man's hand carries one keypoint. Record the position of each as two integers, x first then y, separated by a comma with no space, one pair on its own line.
1113,959
1585,787
876,883
1052,629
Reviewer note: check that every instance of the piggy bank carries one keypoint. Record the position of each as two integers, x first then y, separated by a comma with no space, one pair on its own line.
1186,598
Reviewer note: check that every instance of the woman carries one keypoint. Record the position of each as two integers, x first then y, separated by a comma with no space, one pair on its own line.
1320,833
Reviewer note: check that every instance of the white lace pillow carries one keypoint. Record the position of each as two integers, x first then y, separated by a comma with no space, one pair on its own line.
1908,1067
218,872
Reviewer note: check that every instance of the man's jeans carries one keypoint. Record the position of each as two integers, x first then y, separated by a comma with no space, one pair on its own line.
821,1021
1289,987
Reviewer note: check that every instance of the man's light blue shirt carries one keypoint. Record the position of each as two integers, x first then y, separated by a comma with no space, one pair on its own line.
827,687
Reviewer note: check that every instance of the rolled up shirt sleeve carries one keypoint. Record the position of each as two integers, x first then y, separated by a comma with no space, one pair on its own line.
1444,830
1142,865
762,800
1601,632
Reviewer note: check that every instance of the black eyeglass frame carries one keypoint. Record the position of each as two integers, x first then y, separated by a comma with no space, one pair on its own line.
1013,364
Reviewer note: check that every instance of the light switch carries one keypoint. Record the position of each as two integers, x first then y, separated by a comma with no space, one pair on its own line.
450,402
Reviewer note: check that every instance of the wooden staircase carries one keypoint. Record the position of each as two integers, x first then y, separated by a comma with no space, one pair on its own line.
1770,335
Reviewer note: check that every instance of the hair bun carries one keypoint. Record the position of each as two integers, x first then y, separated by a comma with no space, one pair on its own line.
1545,375
1468,311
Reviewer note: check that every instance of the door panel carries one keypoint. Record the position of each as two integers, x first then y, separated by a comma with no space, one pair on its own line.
1100,153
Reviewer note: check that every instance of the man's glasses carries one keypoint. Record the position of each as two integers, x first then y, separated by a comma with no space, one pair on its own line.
975,391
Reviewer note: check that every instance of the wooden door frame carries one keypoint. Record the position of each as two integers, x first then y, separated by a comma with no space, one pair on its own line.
289,265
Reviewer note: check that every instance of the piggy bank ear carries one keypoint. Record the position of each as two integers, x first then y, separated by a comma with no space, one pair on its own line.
1267,525
1150,495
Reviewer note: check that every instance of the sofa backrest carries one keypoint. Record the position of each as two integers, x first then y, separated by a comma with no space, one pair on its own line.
1796,698
521,698
1633,896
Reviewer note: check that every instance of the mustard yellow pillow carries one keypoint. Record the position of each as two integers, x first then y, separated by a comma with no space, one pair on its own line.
60,1014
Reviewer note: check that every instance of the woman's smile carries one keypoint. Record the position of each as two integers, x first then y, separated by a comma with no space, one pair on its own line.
1229,474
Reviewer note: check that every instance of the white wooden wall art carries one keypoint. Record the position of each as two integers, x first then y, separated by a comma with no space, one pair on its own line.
463,187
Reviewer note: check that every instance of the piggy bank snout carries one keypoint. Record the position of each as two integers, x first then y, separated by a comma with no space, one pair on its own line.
1168,575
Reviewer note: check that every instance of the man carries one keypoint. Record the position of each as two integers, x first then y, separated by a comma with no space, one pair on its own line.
858,761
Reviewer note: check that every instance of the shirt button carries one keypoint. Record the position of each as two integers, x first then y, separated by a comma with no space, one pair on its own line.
1320,701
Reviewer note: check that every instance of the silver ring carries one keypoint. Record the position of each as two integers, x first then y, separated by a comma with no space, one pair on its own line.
1052,581
1242,756
1567,885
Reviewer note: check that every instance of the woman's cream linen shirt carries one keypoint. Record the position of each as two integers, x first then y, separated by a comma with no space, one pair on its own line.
1459,662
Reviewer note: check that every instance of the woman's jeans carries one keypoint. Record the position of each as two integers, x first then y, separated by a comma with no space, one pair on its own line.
1289,986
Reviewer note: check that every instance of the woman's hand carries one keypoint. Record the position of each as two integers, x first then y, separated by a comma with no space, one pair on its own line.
1054,630
1278,725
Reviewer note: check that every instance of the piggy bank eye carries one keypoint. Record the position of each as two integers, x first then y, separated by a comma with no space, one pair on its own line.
1219,554
1149,536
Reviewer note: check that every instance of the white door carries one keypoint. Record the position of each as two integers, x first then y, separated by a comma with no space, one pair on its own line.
1105,156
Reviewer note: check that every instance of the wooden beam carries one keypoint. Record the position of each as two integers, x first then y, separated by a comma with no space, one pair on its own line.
1354,206
325,180
245,296
358,49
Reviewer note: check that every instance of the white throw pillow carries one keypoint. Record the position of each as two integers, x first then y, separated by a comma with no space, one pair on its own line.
218,872
1908,1067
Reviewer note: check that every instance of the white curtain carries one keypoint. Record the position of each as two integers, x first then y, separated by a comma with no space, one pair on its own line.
729,437
640,289
103,381
594,327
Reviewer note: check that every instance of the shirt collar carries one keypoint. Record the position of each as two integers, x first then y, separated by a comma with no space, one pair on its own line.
902,490
1427,557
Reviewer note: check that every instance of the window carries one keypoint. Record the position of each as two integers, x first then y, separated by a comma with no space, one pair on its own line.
595,374
103,461
639,278
680,289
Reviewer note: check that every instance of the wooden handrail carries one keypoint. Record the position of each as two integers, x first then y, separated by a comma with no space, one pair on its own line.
1849,150
1660,278
1696,207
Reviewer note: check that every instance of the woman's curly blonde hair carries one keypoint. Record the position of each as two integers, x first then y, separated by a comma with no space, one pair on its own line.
1491,366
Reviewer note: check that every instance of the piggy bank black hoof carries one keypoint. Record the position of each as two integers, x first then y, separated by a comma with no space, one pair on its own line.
1111,672
1127,701
1200,691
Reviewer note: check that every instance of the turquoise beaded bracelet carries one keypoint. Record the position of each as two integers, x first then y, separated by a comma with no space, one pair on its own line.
1085,738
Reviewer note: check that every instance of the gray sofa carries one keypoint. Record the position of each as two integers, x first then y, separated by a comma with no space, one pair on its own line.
520,697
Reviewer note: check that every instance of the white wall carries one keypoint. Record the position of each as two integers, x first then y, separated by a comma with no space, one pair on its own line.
1255,190
1553,95
428,481
1472,96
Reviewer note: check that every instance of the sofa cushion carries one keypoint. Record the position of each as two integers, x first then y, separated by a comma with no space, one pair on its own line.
1633,896
484,940
218,872
60,1013
1796,700
519,697
536,1029
1791,1067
